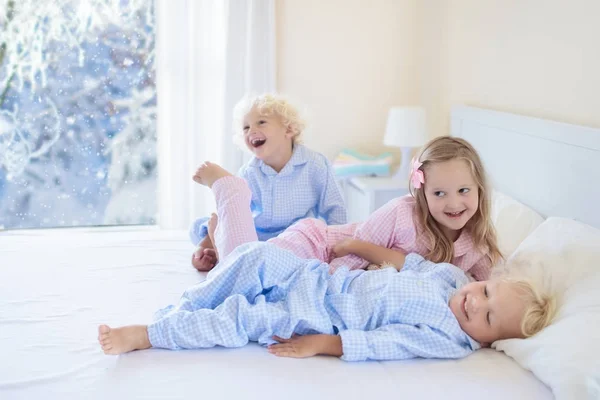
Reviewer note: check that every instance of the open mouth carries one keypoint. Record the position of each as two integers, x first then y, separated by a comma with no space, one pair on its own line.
257,142
455,215
464,308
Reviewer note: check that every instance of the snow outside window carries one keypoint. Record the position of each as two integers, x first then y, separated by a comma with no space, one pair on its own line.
77,113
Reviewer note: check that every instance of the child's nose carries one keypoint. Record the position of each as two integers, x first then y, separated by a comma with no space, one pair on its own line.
474,304
453,200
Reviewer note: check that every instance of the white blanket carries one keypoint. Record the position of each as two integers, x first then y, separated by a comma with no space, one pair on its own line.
56,286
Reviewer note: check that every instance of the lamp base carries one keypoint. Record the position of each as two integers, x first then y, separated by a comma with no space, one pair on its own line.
403,173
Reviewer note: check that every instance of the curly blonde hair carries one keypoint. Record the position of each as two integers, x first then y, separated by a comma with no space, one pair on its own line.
268,104
480,226
540,308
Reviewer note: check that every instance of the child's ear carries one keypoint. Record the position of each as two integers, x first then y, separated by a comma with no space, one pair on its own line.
289,133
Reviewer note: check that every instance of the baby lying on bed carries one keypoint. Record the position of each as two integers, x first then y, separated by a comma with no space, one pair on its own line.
268,295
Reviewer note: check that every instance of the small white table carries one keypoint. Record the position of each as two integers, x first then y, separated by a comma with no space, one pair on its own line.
366,194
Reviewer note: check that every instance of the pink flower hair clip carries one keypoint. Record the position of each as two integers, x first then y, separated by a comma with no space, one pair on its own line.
417,178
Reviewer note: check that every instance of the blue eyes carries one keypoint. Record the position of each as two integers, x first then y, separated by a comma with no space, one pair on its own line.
442,194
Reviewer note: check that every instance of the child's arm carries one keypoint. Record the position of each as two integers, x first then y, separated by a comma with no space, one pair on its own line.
371,252
389,225
390,342
402,341
331,203
307,346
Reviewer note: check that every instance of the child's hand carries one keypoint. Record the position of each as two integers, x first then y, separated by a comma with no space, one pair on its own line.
204,259
296,346
343,248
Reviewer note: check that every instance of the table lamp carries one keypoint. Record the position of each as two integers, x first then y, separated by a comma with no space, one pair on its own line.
406,129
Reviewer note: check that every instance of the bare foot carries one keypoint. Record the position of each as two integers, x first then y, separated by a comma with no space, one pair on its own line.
212,227
208,173
124,339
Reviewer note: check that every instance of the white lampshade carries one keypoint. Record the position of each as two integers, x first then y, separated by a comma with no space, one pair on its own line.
406,127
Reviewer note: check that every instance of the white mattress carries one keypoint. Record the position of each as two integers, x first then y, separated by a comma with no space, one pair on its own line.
56,286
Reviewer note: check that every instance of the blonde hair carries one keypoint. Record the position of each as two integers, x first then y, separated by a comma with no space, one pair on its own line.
540,308
268,104
480,226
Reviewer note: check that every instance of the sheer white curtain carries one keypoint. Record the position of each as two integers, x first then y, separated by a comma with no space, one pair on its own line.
209,54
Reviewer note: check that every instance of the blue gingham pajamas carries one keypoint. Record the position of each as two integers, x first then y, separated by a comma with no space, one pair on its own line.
261,291
304,188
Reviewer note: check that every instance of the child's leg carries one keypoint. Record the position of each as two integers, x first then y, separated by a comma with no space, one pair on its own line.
232,324
313,238
235,223
267,291
237,321
307,239
250,270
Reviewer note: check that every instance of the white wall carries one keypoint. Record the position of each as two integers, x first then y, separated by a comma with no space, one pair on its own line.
534,57
347,61
432,56
350,60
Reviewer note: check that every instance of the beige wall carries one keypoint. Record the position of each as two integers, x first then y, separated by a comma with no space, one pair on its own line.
432,56
347,61
535,57
350,60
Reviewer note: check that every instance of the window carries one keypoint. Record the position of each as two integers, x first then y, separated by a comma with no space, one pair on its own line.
77,113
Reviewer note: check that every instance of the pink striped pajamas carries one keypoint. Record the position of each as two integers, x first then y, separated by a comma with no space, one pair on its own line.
390,226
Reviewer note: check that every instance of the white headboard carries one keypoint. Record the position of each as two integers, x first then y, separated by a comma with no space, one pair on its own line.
552,167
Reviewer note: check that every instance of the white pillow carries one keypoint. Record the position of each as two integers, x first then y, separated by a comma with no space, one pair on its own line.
563,255
513,221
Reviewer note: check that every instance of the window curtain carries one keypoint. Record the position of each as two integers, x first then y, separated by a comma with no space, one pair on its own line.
209,54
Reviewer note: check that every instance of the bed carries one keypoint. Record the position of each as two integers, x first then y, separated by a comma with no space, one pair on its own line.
56,286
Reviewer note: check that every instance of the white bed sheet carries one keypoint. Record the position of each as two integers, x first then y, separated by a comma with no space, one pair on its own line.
56,286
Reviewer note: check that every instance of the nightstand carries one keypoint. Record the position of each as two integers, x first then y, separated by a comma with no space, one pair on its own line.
366,194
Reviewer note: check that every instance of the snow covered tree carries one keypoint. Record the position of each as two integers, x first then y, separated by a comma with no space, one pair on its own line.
132,172
67,67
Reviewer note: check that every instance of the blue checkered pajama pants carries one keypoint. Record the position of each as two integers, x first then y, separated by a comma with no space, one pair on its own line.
259,291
